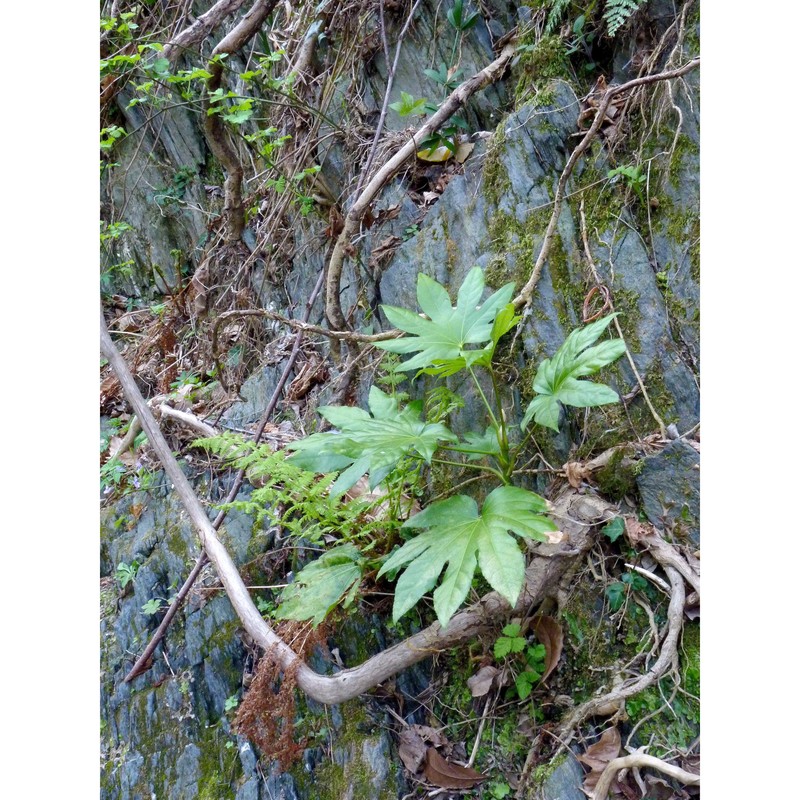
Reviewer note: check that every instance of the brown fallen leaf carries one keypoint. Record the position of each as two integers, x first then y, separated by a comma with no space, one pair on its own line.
598,755
480,683
576,473
550,634
414,743
336,223
412,750
448,775
636,531
385,214
383,251
463,150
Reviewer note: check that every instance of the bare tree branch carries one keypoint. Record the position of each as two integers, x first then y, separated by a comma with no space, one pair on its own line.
200,28
491,73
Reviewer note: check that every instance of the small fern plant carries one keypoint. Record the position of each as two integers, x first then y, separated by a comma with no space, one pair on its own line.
618,12
442,547
296,500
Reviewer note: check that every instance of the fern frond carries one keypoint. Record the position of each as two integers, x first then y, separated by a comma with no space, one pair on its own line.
295,499
555,14
618,12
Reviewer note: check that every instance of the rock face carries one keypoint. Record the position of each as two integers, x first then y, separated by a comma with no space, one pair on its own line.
669,485
168,734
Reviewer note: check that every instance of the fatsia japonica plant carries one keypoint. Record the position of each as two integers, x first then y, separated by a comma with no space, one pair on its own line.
452,538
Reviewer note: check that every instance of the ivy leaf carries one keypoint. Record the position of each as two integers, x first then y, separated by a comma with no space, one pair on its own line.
460,537
557,381
441,340
614,529
333,578
615,592
368,443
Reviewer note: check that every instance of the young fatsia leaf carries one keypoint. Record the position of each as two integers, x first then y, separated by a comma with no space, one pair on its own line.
440,341
368,443
334,577
557,381
461,537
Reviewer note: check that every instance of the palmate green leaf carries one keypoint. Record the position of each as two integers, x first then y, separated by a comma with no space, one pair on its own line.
440,341
557,381
333,578
462,538
477,445
368,443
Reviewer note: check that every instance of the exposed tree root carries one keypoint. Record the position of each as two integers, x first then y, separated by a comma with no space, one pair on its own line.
214,127
204,25
669,649
636,761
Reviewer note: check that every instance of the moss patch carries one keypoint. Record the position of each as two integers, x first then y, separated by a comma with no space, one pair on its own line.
348,773
618,479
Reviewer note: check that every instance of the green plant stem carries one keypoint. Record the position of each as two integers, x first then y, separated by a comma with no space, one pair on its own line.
481,467
506,462
485,401
500,427
455,47
469,452
518,449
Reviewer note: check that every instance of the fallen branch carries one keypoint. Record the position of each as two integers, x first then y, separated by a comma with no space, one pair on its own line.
127,441
638,760
525,295
491,73
142,663
203,428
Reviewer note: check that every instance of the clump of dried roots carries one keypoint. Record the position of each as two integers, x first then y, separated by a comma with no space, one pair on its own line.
266,715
